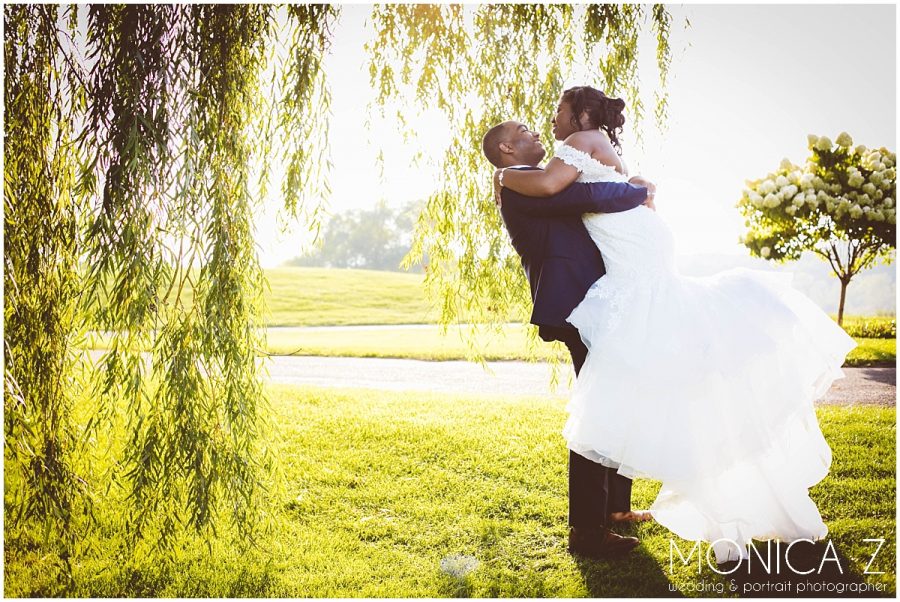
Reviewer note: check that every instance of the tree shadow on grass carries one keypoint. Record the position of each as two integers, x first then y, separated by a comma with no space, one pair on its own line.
636,575
805,570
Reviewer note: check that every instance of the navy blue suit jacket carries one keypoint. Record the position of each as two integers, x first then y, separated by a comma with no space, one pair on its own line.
560,259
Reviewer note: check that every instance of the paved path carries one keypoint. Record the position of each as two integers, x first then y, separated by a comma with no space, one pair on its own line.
869,386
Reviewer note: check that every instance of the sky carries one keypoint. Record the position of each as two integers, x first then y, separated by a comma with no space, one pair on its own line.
747,84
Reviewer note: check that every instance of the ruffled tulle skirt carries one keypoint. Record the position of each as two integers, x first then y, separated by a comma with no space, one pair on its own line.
707,384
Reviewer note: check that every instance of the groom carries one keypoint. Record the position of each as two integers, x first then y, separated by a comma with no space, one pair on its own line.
561,263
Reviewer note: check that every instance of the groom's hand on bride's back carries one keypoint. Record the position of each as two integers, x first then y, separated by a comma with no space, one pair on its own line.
651,190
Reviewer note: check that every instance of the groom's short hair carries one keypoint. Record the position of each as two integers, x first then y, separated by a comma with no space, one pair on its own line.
490,144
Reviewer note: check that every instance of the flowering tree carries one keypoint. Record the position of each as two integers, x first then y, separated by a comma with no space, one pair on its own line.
840,205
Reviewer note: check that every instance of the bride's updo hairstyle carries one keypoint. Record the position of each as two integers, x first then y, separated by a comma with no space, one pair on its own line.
603,112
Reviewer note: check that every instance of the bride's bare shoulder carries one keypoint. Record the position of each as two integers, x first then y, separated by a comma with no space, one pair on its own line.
598,145
586,140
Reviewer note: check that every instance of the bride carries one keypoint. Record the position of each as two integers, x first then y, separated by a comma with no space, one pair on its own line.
706,384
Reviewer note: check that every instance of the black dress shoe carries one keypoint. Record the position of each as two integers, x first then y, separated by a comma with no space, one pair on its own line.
599,543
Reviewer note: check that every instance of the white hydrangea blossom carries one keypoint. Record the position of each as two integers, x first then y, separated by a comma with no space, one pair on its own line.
863,192
844,140
789,191
823,143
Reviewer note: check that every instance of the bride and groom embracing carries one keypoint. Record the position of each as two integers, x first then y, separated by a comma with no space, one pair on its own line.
705,384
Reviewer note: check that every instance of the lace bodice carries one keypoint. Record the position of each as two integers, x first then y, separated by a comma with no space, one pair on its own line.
636,243
591,169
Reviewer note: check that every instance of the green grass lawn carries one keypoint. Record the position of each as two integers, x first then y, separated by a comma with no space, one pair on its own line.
419,343
334,297
379,487
511,344
427,343
319,296
873,352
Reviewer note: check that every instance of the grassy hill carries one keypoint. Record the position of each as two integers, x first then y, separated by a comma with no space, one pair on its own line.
321,296
301,297
304,296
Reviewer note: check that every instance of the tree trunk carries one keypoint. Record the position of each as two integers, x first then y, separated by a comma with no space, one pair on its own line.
844,283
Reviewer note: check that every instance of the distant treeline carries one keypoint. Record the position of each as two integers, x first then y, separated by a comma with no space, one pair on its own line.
368,239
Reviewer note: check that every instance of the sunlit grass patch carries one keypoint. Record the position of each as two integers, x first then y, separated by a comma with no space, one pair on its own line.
872,352
423,343
320,296
379,487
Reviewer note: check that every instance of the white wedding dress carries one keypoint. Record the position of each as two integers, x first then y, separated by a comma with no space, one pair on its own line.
706,384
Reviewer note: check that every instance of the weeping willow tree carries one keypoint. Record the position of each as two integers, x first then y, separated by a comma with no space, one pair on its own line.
193,409
131,131
478,66
131,136
40,279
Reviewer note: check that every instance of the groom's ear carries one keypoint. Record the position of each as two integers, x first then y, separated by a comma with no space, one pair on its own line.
506,148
